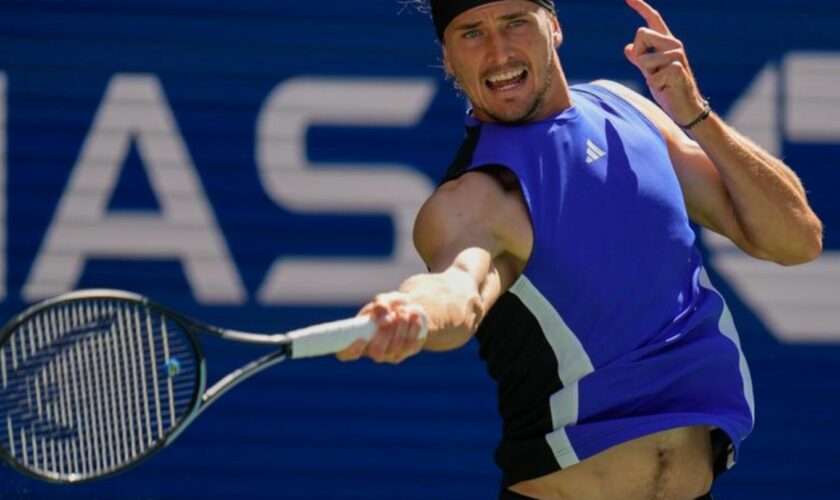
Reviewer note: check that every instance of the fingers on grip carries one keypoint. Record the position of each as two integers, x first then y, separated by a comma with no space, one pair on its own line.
401,330
353,352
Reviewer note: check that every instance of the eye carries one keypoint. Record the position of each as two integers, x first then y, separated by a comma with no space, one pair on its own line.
470,34
517,23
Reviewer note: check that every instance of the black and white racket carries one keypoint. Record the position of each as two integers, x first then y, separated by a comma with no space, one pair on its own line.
95,381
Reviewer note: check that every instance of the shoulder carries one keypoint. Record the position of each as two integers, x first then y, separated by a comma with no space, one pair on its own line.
464,156
649,109
477,194
482,205
488,144
622,91
613,86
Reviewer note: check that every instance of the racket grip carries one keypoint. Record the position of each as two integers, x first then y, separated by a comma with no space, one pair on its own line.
329,338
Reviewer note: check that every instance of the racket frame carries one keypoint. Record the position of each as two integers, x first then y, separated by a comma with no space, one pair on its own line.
201,397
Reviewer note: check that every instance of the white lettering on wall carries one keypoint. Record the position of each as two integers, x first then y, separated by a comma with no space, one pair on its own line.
293,182
756,112
796,105
135,109
812,96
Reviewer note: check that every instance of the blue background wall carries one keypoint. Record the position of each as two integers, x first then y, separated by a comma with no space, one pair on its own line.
425,429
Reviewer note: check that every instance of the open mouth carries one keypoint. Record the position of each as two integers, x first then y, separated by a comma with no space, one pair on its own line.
508,80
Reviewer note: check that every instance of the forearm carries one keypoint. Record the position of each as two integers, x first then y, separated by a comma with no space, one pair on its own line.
747,195
451,302
768,200
778,165
456,299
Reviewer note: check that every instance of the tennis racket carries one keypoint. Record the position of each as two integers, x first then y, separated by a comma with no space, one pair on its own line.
96,381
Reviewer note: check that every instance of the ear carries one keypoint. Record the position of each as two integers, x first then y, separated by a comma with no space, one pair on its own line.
556,32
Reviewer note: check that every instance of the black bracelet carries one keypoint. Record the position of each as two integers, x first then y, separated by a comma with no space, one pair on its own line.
707,110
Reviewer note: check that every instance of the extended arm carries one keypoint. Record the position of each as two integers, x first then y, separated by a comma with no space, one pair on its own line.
730,184
472,234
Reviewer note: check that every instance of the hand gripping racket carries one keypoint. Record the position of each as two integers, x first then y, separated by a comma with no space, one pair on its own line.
93,382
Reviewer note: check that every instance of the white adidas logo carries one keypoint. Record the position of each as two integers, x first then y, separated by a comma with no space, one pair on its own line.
593,152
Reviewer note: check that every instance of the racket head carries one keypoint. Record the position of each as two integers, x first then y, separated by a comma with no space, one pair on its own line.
93,382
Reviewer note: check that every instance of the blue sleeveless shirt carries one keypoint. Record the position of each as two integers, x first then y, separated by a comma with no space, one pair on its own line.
613,331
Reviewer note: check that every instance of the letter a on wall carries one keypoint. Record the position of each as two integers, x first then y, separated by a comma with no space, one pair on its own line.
135,109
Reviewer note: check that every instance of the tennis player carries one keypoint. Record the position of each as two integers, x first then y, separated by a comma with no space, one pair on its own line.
560,238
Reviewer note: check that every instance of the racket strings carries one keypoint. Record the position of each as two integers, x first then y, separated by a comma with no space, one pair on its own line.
89,386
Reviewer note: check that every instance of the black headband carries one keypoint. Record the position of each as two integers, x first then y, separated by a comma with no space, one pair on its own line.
444,11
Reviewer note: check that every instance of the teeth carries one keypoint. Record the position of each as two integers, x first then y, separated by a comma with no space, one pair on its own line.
508,75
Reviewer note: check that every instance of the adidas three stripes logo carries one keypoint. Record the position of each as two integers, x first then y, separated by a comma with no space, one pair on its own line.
593,152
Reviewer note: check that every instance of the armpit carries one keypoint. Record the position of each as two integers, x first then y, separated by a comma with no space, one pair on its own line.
505,176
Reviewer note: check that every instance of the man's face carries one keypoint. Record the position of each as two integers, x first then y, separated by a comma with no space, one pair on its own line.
502,55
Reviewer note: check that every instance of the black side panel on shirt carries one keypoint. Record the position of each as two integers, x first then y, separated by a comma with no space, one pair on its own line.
520,359
464,157
517,356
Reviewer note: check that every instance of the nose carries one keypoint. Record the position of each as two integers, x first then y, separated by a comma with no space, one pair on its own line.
497,47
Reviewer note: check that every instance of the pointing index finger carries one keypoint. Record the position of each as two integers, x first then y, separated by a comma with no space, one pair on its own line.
650,15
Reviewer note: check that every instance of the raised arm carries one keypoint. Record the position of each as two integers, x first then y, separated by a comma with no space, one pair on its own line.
730,184
474,236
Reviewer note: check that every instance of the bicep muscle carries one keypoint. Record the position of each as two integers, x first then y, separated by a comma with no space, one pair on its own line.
476,213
